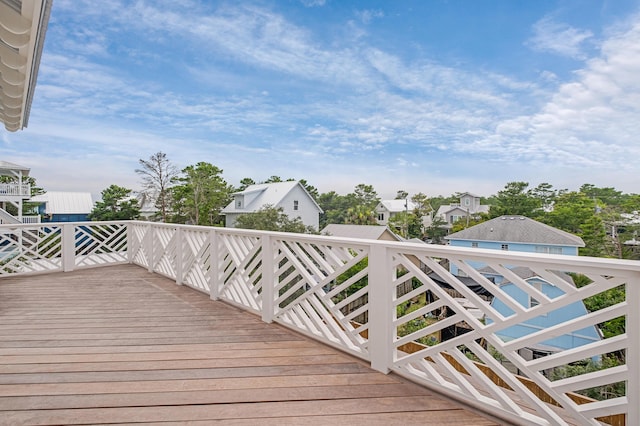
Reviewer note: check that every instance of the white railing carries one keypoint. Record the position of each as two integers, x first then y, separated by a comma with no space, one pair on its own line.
6,218
393,304
31,219
15,190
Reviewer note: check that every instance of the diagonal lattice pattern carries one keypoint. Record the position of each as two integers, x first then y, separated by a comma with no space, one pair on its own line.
100,244
469,351
322,290
240,275
30,249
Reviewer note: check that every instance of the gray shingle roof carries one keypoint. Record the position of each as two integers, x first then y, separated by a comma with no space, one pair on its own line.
517,229
369,232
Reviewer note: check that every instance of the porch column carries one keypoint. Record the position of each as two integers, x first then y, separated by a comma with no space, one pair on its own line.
381,312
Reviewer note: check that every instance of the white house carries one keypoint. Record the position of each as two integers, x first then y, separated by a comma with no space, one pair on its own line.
468,207
14,193
291,196
387,209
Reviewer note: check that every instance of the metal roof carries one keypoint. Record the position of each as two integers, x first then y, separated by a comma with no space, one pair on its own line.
397,206
267,194
517,229
65,202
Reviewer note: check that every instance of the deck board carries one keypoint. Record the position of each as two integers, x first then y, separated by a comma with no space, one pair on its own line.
122,345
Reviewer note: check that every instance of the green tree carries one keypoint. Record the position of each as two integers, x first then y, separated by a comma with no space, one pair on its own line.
350,208
200,194
408,224
334,207
365,195
401,194
157,174
274,179
116,204
436,231
360,215
594,237
570,211
545,193
270,218
608,195
514,199
312,190
245,183
423,206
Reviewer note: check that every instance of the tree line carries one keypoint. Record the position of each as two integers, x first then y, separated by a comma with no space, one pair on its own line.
198,193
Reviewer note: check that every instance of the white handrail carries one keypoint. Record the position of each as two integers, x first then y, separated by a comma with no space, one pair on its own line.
353,294
15,190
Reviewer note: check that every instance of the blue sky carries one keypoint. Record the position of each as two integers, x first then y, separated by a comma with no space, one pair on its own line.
427,96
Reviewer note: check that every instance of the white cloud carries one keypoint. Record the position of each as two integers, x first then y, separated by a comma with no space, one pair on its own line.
313,3
559,38
368,15
591,121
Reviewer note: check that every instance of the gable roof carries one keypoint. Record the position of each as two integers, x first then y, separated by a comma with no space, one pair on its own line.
469,194
396,206
517,229
266,194
6,166
368,232
65,202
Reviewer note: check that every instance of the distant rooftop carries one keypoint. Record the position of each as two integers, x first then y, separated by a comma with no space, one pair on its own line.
65,202
396,206
517,229
6,166
367,232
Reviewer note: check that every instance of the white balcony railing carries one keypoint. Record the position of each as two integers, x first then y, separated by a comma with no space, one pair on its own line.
15,190
391,304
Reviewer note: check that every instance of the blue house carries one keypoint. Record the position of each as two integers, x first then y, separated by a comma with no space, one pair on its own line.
519,233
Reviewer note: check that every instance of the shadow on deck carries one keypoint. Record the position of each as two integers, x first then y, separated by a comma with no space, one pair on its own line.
122,345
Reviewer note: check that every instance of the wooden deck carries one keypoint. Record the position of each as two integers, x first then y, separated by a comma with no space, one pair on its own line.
122,345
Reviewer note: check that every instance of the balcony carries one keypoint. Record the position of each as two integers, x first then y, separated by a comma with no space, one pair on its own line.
345,294
14,191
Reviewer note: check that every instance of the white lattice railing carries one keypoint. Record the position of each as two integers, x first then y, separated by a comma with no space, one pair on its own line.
397,306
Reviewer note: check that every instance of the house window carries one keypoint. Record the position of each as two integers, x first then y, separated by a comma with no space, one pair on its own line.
239,204
380,216
295,204
504,246
474,244
467,201
548,250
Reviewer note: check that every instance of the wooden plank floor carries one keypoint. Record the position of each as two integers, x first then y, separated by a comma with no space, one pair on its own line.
122,345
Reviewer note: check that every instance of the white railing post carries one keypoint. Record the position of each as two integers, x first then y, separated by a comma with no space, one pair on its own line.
268,279
381,311
214,289
68,247
633,354
129,242
147,246
178,255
